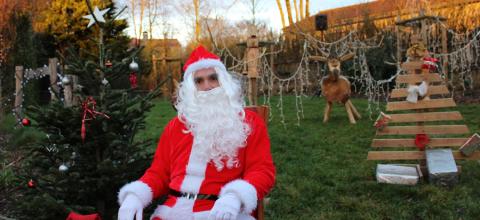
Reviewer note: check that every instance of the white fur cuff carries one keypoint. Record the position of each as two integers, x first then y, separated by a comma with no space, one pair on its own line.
139,189
245,191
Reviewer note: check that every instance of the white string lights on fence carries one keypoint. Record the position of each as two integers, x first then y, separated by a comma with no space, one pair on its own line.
28,76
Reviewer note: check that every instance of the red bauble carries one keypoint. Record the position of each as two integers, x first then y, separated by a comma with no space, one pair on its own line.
108,64
133,80
25,122
31,184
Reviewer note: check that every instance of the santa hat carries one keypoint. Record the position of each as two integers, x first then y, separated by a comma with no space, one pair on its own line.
200,58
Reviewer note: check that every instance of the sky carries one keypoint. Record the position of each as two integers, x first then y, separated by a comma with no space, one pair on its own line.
267,12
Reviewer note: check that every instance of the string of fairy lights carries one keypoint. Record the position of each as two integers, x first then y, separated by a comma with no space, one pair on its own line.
462,60
305,79
29,75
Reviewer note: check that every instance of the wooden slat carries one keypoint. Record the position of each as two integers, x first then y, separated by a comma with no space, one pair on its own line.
427,129
423,117
416,78
413,65
434,142
422,104
432,90
414,155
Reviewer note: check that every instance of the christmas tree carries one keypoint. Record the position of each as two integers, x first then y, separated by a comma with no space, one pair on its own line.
89,149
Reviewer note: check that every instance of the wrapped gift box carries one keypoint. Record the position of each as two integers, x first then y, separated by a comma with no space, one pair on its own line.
398,174
471,145
442,169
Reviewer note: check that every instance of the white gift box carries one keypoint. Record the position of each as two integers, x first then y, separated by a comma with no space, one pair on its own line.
403,174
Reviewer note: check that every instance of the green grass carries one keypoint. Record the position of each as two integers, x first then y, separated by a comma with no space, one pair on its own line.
322,171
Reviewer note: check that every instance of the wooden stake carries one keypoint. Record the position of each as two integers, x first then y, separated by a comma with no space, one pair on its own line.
52,65
18,91
67,92
445,51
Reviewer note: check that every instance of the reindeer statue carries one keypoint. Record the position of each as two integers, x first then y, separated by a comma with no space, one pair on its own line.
335,87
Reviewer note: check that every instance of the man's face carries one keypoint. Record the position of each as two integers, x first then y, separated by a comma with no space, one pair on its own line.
206,79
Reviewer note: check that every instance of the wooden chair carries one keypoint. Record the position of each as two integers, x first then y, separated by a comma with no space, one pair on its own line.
263,112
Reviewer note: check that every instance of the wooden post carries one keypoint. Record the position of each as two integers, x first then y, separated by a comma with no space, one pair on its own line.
423,32
163,67
67,92
75,99
445,51
154,69
1,98
18,91
52,65
399,45
253,54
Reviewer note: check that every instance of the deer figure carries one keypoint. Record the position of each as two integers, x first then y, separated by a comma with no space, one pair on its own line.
335,87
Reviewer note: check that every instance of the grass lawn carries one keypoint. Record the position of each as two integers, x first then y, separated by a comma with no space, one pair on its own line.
322,171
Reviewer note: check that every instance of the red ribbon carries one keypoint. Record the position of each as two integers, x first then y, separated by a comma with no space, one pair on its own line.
430,63
382,121
421,140
75,216
133,80
89,113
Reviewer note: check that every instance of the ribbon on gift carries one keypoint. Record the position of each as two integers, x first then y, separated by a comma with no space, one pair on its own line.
89,113
382,121
421,140
430,63
415,91
76,216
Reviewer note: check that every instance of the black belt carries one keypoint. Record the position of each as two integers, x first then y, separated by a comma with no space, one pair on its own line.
193,195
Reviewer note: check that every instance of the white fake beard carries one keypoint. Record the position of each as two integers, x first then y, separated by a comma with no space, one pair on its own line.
217,127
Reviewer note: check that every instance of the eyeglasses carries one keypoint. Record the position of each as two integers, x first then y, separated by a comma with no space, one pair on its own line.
212,77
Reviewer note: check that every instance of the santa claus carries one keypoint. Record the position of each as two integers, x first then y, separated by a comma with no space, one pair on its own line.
213,160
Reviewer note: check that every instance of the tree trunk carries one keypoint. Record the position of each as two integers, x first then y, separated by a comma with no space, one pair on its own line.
282,16
307,8
289,12
142,9
296,10
302,14
132,5
197,21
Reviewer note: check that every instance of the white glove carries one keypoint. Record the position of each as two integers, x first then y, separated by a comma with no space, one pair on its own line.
130,206
227,207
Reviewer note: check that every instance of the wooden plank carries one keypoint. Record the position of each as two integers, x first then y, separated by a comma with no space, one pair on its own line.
424,129
423,117
412,65
432,90
417,78
422,104
410,143
414,155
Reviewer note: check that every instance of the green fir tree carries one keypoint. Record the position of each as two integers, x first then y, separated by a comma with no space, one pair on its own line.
83,175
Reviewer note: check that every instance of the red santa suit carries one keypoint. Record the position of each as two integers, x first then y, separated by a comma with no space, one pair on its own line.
176,166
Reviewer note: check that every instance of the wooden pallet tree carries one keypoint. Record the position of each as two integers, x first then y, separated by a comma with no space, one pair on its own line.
432,115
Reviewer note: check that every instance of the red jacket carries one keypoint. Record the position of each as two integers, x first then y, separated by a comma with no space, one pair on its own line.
175,166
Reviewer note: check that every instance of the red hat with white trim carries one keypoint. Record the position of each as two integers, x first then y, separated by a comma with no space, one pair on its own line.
201,58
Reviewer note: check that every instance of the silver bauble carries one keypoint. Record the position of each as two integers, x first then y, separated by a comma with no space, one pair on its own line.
63,168
66,80
133,66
